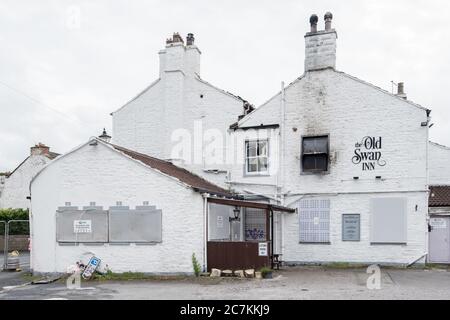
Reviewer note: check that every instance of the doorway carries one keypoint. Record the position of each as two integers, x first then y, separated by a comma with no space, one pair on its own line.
439,251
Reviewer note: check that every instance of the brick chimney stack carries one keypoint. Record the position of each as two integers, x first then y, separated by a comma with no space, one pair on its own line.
178,57
39,149
401,90
320,46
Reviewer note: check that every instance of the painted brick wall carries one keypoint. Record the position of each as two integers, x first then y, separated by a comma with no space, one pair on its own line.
320,50
438,164
332,103
362,251
17,186
99,174
178,100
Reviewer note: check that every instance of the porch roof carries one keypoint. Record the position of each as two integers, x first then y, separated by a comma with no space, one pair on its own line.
248,204
439,196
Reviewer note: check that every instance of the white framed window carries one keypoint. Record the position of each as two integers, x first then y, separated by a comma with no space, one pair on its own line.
256,157
314,220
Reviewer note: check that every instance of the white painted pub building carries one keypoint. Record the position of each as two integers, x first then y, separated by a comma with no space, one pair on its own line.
329,169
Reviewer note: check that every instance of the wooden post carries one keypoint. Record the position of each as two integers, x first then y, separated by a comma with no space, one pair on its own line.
268,236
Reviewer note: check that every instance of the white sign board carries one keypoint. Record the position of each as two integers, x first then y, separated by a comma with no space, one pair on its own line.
438,223
82,226
263,249
316,221
219,222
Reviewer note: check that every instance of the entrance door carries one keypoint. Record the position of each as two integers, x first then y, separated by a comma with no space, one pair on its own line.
439,251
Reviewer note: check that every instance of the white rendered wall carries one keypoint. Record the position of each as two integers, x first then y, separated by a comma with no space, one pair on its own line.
331,103
17,186
178,102
101,175
362,251
438,164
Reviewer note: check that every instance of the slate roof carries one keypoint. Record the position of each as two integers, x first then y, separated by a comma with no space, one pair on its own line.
168,168
52,155
439,196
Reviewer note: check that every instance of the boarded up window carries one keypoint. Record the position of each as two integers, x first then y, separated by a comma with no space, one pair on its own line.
142,225
388,223
314,220
118,225
83,226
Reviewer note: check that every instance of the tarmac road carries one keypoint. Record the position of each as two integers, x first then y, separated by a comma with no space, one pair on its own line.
291,283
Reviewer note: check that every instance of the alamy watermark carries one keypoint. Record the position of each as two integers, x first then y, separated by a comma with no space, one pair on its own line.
211,147
374,280
73,17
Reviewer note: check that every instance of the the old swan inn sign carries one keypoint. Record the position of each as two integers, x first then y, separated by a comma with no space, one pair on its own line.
368,153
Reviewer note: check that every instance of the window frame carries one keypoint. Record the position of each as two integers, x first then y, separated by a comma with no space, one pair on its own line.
246,158
304,171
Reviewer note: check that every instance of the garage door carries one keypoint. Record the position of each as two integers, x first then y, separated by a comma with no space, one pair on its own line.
439,240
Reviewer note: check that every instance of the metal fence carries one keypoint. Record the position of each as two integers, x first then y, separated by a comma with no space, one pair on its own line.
6,240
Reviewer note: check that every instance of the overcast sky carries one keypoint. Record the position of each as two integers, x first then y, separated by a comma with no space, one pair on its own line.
61,77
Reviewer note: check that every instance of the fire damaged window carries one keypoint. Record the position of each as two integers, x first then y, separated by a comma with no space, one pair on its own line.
315,154
256,157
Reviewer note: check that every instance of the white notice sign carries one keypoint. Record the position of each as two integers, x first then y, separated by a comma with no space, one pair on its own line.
219,222
262,249
82,226
316,221
438,223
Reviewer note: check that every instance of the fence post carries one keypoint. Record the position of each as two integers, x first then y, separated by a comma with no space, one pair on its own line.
4,238
7,240
5,247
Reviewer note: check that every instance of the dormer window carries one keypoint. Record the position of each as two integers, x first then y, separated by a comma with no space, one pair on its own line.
256,157
315,154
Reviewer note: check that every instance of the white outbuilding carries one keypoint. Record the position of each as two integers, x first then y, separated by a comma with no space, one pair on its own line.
15,186
133,211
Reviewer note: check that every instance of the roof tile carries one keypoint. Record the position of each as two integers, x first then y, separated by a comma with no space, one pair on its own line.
172,170
439,196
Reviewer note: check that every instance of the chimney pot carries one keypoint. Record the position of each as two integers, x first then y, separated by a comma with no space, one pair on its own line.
190,39
313,21
320,46
40,149
401,90
328,18
177,38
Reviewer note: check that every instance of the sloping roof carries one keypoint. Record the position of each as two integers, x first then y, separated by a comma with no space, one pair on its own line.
221,90
248,116
168,168
439,196
439,145
138,95
52,155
